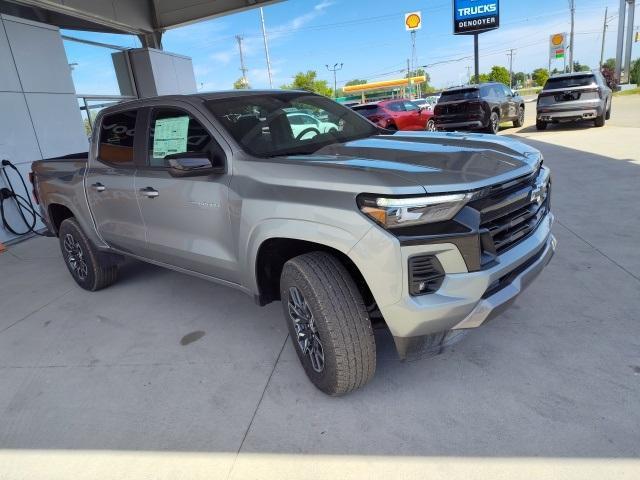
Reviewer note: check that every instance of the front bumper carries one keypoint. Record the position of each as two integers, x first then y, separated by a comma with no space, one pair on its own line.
466,299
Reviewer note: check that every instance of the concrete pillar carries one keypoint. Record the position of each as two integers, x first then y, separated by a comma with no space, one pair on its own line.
39,114
156,72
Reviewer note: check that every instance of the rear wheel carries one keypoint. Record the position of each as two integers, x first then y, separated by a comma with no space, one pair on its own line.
89,268
328,323
494,123
519,122
540,125
599,121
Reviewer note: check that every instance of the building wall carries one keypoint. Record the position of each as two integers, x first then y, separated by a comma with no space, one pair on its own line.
39,114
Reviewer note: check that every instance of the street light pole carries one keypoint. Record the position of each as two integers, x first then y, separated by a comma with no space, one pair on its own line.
334,69
266,47
604,36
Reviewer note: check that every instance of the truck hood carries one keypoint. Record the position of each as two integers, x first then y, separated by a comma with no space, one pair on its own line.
439,162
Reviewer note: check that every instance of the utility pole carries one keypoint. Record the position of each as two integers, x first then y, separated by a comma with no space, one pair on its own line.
604,36
468,74
334,69
572,5
621,16
510,55
266,48
243,69
627,64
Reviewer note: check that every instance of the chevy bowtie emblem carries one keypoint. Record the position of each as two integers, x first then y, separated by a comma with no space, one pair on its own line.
538,194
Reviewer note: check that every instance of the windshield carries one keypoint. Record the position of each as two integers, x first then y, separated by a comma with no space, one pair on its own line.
569,82
288,123
463,94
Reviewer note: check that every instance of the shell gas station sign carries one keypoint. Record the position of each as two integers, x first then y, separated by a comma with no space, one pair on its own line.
557,45
413,21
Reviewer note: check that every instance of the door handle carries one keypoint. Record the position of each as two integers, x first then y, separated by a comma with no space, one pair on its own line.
149,192
98,187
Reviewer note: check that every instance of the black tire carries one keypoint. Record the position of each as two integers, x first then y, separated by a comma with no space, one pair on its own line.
599,121
336,319
608,115
519,121
540,125
90,269
494,123
431,126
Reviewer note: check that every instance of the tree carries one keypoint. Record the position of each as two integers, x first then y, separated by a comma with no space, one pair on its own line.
309,81
418,73
578,67
241,84
635,71
483,78
609,75
499,74
355,81
610,63
520,78
540,76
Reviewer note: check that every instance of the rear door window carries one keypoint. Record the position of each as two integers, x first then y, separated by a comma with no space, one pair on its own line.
395,107
117,133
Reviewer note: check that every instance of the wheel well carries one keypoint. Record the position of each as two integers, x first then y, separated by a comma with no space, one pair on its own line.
57,214
275,252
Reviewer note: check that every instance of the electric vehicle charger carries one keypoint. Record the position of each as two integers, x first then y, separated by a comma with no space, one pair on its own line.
24,204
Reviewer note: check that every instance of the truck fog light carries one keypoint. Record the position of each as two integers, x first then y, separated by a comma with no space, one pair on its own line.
425,275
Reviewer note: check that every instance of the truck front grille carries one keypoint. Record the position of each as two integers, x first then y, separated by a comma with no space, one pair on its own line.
508,216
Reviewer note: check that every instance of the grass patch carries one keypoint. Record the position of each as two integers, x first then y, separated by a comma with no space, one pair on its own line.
633,91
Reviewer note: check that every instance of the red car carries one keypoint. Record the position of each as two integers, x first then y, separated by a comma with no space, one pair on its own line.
397,114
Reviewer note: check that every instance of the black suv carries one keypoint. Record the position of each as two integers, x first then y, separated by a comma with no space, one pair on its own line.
478,107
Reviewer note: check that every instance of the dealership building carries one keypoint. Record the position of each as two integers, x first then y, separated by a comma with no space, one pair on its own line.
41,113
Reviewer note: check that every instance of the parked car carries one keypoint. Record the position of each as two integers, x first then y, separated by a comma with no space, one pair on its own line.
304,125
397,115
575,96
478,107
425,234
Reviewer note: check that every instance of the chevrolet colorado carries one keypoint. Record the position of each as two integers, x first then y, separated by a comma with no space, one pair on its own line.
426,234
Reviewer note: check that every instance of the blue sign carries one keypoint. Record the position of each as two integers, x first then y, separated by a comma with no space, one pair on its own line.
473,16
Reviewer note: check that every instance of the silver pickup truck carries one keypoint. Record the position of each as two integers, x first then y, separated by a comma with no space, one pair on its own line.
352,228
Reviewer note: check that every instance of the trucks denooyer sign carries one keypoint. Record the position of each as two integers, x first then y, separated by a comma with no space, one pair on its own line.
472,16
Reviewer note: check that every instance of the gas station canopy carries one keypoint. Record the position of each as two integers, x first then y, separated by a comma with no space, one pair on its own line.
145,18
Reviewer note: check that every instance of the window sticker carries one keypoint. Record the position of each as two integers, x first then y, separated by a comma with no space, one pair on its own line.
170,136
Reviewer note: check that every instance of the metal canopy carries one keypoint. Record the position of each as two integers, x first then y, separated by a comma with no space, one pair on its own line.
145,18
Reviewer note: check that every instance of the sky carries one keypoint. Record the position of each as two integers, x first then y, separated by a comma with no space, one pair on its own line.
367,36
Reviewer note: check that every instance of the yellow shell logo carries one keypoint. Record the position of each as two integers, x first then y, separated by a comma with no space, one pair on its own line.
557,39
413,21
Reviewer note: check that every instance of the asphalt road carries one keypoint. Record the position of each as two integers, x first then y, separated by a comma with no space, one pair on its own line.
168,376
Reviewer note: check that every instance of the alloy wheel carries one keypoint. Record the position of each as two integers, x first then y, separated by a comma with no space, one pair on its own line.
431,126
305,327
75,257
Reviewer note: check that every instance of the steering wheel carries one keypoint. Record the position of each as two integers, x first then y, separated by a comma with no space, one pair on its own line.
307,130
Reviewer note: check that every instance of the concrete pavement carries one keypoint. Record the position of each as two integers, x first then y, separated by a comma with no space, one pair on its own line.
167,376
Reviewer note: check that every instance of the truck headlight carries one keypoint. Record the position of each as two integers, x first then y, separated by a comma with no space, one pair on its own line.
402,212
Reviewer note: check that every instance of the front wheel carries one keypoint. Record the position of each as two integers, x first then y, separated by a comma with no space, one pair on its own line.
328,323
91,270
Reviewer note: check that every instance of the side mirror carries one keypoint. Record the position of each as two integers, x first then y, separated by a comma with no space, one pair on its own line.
189,164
